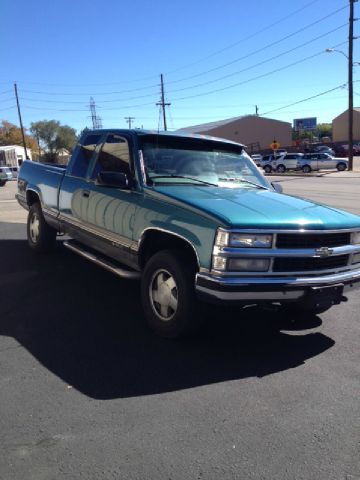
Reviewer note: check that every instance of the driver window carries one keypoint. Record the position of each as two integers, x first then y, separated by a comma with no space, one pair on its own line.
114,156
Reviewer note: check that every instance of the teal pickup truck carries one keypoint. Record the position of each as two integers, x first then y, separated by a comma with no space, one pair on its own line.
195,220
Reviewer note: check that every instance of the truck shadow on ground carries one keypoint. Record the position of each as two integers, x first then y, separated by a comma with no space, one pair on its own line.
86,326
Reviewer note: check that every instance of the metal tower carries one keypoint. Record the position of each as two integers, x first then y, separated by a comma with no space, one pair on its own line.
96,121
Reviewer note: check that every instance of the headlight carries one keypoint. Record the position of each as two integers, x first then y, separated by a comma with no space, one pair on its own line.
243,240
248,264
355,238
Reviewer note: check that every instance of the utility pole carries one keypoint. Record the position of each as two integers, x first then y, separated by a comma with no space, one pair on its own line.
350,75
129,120
256,110
162,101
20,121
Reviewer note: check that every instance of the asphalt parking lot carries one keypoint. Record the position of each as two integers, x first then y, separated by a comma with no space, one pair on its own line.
87,392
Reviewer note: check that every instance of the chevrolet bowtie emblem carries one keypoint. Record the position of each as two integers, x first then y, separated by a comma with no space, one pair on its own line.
324,252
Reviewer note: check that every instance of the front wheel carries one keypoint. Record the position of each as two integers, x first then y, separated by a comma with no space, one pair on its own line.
168,294
2,183
306,169
41,237
281,169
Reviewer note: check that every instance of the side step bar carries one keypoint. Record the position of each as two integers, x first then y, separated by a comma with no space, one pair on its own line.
101,261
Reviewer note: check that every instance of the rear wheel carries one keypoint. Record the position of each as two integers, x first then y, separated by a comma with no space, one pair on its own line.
2,183
168,294
267,169
341,167
41,237
306,169
281,169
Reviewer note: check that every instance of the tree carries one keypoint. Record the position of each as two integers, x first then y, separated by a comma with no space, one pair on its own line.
324,130
10,134
53,137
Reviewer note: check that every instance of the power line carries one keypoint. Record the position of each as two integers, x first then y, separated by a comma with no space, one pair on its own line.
249,37
305,99
255,78
210,81
269,45
262,62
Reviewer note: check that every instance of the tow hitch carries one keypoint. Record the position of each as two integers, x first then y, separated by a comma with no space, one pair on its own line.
322,296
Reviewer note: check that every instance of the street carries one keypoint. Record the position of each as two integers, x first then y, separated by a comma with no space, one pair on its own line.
88,392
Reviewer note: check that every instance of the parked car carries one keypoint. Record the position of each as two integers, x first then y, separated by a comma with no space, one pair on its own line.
324,149
281,163
322,161
14,171
257,157
266,160
5,175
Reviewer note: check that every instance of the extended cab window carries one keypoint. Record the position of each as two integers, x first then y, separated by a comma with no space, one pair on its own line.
114,156
84,155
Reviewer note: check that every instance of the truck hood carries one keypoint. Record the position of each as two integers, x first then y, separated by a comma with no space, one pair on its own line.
257,208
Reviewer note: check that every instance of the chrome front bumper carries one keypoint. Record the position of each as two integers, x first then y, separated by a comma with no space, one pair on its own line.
272,289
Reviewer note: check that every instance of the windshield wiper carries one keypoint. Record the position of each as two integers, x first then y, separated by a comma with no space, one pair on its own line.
182,176
242,180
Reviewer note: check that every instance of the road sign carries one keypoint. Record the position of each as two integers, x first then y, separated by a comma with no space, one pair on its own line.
274,145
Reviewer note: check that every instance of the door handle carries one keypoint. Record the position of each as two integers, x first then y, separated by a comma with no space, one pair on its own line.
86,193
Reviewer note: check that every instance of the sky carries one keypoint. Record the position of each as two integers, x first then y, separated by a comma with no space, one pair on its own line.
218,59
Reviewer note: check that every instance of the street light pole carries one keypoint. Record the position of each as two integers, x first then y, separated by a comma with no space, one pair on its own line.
351,94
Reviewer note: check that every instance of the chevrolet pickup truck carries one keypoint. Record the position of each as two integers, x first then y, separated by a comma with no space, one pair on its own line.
193,218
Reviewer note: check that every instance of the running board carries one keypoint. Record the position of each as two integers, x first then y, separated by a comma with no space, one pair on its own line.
101,261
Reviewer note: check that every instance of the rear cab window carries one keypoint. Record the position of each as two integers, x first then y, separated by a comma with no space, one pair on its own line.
84,154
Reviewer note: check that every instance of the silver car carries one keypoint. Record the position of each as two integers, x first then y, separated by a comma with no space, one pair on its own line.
5,175
288,161
322,161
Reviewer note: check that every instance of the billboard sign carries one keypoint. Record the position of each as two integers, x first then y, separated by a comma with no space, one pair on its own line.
305,123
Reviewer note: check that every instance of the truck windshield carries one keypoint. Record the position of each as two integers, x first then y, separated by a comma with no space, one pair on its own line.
188,161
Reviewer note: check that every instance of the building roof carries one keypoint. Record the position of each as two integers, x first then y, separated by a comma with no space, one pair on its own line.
355,109
204,127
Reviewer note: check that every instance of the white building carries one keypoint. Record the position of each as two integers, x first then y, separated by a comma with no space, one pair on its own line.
13,155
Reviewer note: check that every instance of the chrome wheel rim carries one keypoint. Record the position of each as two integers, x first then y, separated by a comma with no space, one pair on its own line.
163,293
34,228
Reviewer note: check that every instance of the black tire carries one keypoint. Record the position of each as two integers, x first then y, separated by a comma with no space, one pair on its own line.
306,169
268,169
168,295
281,168
341,166
2,183
41,237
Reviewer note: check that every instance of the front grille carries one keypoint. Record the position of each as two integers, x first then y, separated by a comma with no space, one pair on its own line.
309,264
312,240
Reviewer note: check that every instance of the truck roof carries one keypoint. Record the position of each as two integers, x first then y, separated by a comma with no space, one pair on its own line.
140,132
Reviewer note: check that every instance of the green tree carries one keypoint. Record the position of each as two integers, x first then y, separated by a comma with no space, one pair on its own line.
53,137
324,130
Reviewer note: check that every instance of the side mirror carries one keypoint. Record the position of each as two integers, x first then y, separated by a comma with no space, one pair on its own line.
277,187
113,179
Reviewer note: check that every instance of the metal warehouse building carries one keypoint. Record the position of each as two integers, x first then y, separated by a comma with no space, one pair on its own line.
340,126
257,133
